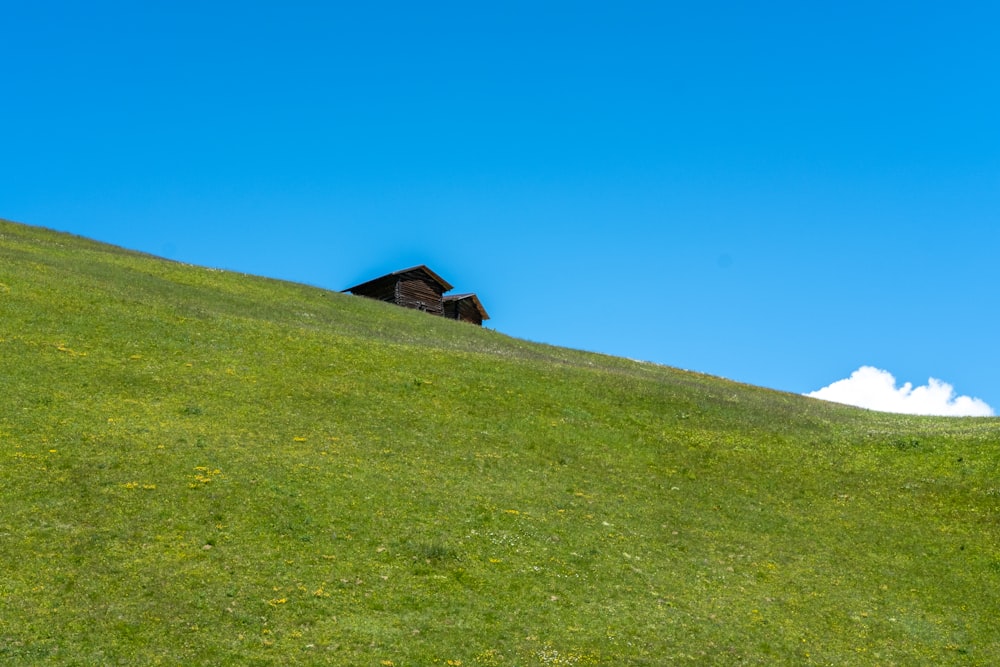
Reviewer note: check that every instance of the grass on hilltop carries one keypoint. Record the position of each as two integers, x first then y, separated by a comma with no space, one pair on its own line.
201,467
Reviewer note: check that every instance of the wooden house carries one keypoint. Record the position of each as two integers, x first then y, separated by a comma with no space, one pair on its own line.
416,287
420,288
465,308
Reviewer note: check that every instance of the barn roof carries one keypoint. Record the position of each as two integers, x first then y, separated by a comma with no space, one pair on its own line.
473,298
421,268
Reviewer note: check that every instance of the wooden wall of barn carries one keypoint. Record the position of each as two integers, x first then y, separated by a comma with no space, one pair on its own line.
463,310
383,289
420,294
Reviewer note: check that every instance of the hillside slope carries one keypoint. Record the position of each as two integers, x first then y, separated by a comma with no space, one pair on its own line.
201,467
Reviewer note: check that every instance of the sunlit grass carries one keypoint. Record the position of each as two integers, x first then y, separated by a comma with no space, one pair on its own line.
200,467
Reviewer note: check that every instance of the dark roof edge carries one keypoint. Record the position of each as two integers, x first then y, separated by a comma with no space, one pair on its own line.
420,267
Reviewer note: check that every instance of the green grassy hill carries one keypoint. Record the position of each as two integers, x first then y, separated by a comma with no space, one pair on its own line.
201,467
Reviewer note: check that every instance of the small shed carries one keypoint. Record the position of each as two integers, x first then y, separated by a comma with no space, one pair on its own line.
416,287
465,308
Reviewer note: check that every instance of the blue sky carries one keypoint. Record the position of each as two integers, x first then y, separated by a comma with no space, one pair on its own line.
778,193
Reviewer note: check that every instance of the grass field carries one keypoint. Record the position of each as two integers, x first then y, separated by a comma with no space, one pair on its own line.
205,468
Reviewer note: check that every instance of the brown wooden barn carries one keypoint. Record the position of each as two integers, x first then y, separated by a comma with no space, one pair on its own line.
420,288
465,308
416,287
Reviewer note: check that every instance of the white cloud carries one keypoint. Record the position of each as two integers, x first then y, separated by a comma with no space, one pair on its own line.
875,389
